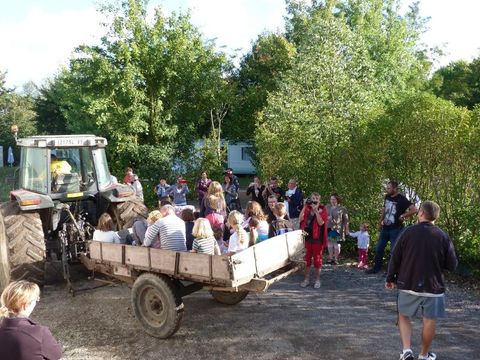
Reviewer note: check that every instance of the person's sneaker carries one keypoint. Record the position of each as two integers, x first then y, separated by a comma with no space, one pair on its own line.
335,262
407,355
317,284
429,356
304,283
371,271
360,264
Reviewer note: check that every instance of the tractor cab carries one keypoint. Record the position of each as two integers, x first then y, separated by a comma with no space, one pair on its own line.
64,167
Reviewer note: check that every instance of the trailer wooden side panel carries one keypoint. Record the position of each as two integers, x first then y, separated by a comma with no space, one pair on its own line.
239,269
193,265
163,261
137,256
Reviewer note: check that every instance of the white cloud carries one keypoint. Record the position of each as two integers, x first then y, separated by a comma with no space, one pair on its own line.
35,47
235,24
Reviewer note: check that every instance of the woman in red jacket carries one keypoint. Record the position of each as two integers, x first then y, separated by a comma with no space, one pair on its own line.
313,219
20,337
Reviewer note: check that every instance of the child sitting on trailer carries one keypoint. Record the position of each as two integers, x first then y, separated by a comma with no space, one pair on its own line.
239,238
152,218
204,241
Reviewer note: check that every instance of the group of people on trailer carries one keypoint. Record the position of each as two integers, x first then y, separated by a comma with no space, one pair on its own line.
220,225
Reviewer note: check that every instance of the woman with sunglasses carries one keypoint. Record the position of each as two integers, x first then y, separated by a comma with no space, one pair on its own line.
20,337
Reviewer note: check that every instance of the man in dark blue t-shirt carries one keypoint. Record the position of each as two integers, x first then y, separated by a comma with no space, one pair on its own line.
396,208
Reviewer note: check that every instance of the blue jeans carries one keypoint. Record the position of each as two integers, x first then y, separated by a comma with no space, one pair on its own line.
386,235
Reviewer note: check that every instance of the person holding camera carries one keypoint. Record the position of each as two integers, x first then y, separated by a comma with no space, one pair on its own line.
313,221
272,189
255,190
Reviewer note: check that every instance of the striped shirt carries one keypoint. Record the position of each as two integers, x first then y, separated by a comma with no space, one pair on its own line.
171,230
205,245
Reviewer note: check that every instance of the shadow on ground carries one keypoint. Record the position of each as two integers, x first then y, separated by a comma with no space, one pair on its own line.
350,317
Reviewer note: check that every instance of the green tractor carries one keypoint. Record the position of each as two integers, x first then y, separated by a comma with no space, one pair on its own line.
64,185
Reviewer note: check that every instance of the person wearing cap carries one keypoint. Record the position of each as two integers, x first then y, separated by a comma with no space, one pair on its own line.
233,177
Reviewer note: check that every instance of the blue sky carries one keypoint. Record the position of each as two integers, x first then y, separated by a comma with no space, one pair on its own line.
38,36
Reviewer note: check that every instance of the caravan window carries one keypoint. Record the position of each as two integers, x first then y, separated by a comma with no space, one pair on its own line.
246,153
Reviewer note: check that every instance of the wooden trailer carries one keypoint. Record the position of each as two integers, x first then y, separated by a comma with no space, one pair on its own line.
160,278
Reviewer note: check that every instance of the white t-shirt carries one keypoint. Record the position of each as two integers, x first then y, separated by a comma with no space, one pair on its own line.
106,236
363,239
234,245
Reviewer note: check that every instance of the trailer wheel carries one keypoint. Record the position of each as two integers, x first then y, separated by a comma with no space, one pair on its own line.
229,298
157,305
127,212
22,245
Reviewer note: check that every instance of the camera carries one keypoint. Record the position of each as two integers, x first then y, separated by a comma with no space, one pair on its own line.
309,202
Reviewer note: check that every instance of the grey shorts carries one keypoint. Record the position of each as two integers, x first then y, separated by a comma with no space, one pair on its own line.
430,307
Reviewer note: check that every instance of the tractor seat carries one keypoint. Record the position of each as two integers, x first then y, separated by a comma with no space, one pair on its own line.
66,183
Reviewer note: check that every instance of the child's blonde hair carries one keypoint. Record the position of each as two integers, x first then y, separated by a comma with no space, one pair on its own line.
202,229
16,296
154,216
235,219
280,209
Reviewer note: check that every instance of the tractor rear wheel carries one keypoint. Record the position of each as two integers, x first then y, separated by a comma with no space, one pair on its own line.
22,245
127,212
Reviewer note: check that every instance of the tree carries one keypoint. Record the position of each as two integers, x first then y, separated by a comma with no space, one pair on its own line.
259,74
355,59
321,104
15,109
149,87
458,82
431,145
49,107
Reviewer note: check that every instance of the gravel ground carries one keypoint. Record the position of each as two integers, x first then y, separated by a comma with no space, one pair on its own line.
350,317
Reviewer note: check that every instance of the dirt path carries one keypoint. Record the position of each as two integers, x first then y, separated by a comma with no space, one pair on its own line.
350,317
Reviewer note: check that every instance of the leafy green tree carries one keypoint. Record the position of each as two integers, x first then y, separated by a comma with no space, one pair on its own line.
15,109
149,87
49,107
323,102
431,145
458,82
259,74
